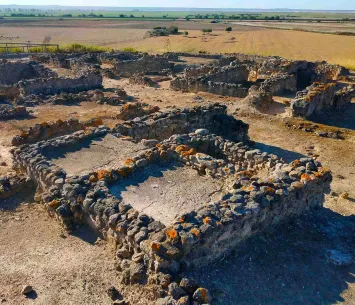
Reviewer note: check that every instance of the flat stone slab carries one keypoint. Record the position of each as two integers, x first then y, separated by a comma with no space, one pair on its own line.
163,192
101,153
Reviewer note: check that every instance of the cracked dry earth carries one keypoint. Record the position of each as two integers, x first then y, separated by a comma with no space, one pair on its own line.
287,266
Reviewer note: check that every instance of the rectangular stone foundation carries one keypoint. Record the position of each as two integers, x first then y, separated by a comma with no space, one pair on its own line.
186,201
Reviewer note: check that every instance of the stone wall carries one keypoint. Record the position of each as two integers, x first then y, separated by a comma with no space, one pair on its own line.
48,130
163,125
55,85
133,110
147,63
13,72
343,97
318,98
227,80
279,84
261,190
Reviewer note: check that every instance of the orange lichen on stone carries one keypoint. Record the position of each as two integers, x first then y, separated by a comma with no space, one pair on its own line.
203,294
93,178
155,246
207,220
190,152
88,131
295,163
269,190
54,204
245,174
306,177
129,162
182,148
195,231
103,174
44,124
181,219
298,185
172,234
121,172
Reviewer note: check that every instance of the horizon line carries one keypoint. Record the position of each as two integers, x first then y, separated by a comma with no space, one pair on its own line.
183,7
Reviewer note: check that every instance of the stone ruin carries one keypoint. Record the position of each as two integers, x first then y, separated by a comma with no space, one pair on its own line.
258,79
172,190
12,72
319,98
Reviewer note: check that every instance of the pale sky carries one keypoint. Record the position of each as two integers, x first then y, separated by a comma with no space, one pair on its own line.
264,4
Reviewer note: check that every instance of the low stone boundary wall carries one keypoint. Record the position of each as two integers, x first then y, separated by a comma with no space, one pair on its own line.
133,110
13,72
51,86
47,130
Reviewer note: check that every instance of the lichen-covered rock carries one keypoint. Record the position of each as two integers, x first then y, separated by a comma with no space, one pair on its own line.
202,296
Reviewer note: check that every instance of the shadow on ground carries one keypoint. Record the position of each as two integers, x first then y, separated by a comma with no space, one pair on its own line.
287,155
154,170
343,118
287,267
58,153
87,233
13,202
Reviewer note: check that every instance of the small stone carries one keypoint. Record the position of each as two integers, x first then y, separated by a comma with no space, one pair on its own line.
26,289
185,300
202,296
189,285
3,163
202,132
175,291
137,272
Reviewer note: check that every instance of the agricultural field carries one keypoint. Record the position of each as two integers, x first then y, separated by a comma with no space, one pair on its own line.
323,27
245,38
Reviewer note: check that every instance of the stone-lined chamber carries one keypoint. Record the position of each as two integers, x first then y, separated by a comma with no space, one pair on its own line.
258,190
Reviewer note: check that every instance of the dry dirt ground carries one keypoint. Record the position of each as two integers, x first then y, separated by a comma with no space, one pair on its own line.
285,266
